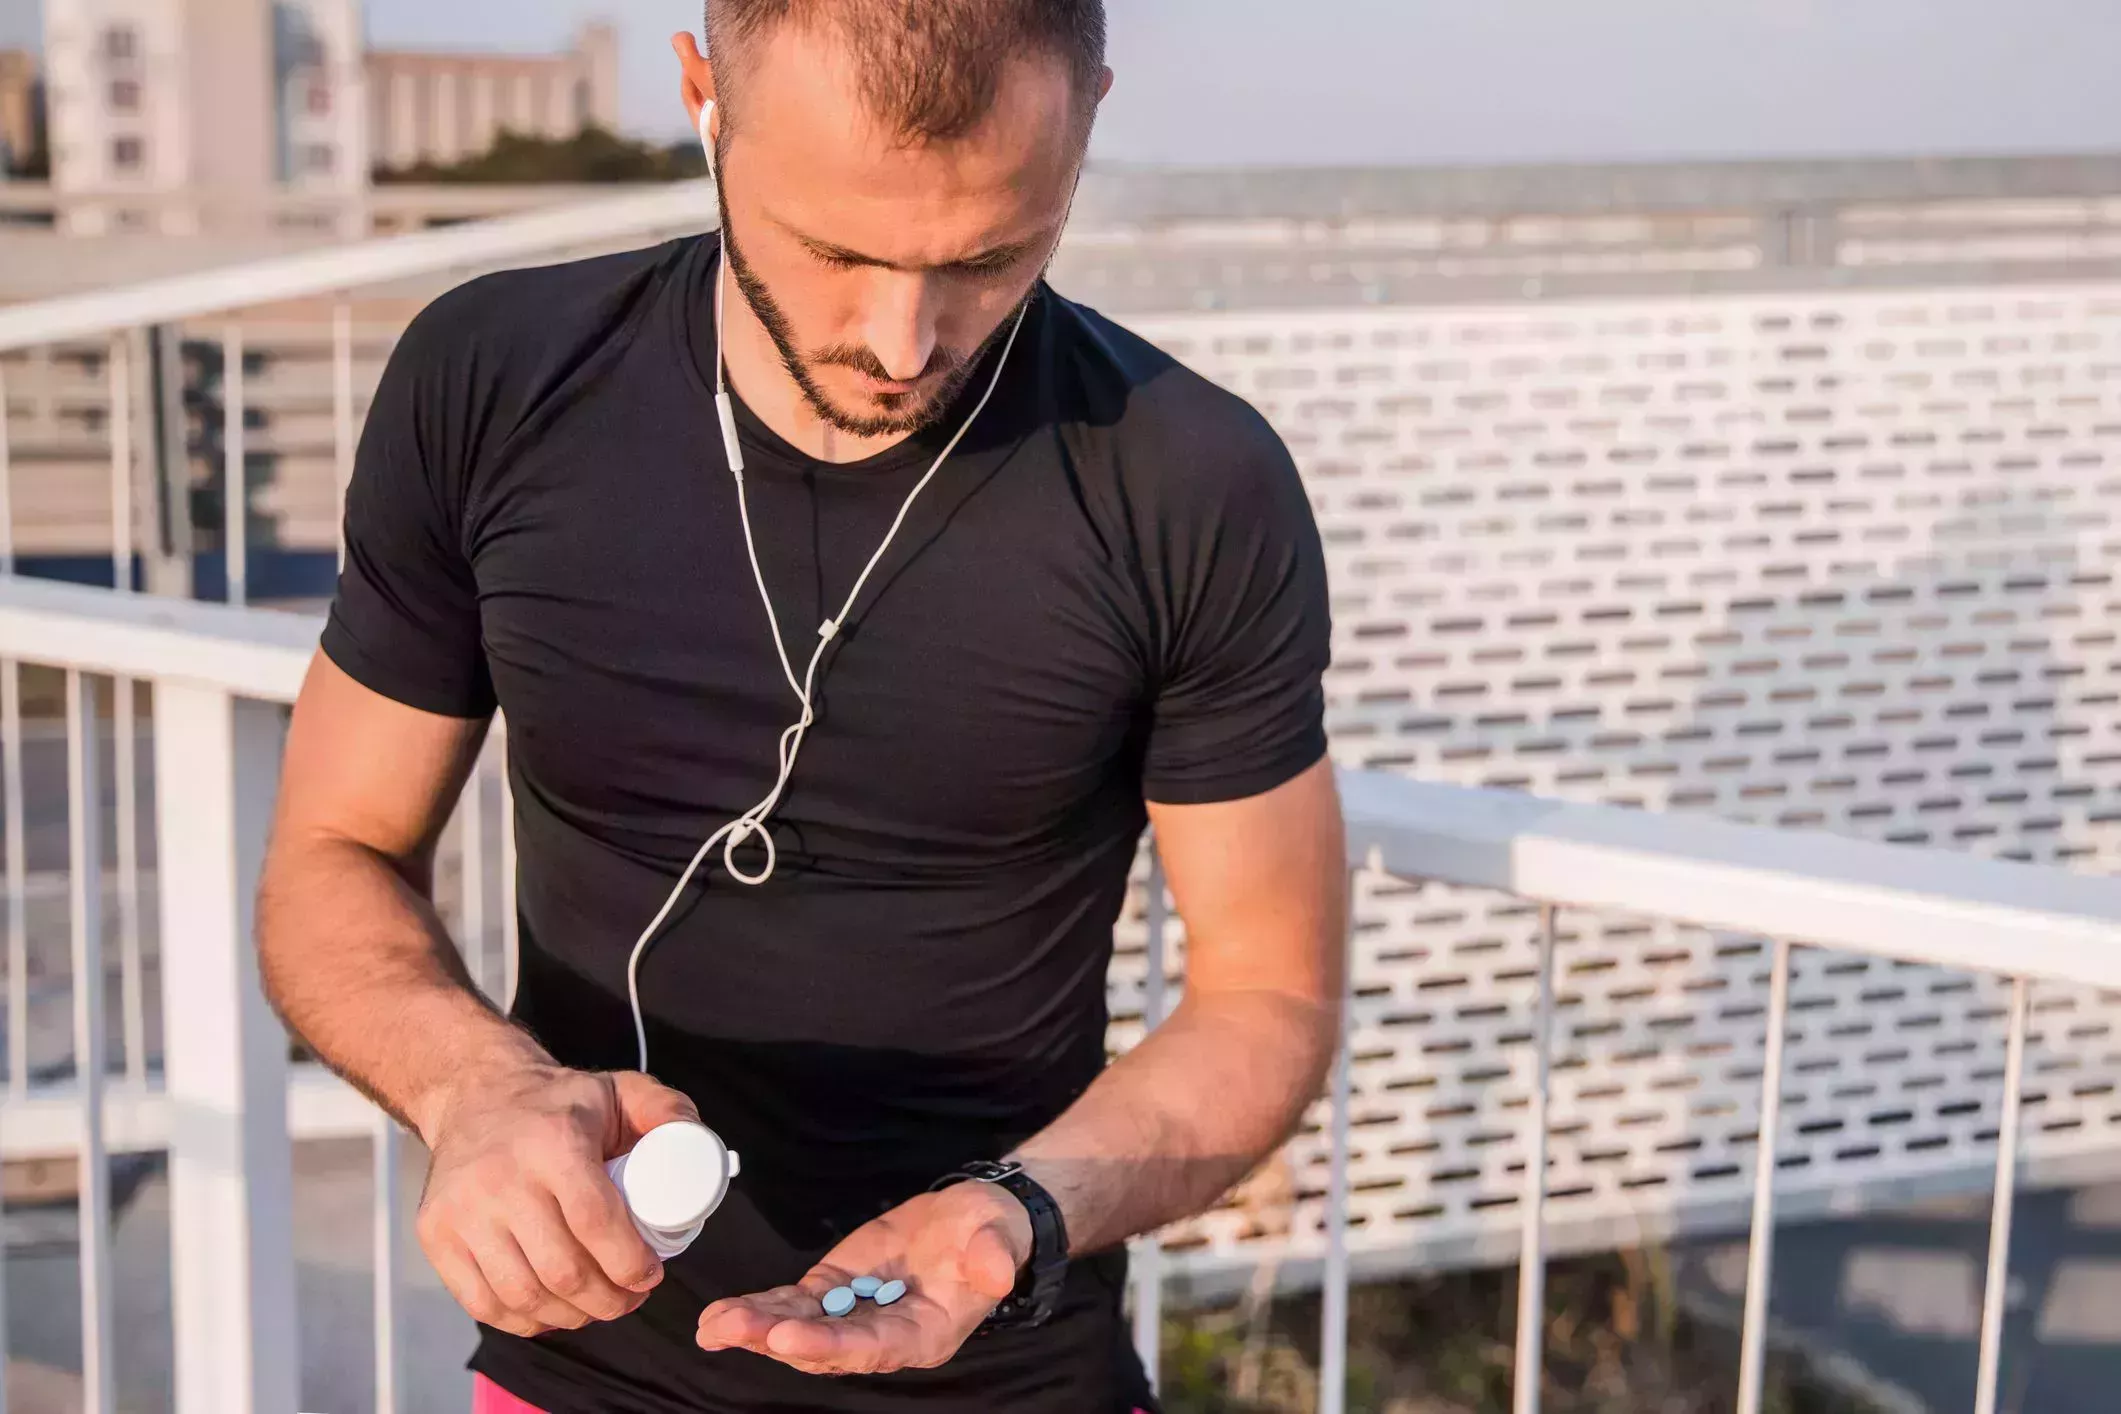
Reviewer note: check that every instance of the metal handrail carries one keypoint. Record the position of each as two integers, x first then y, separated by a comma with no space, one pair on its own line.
1796,887
1939,907
1930,906
253,653
336,269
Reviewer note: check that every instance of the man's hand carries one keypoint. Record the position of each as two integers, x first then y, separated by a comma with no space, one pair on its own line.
519,1218
958,1251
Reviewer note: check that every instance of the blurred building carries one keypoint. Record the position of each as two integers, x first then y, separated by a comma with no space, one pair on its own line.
21,108
441,107
176,116
187,117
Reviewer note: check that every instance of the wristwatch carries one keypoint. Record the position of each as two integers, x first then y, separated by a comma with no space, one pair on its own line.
1038,1283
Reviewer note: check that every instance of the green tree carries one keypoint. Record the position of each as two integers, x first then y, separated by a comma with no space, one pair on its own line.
592,155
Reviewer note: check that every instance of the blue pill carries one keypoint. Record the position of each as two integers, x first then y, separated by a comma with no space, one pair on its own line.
889,1292
839,1301
865,1286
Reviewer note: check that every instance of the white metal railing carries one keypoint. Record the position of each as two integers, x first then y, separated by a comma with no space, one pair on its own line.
227,1106
1809,889
335,269
1494,543
392,207
101,379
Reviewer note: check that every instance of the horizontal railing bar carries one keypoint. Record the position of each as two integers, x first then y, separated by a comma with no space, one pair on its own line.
252,653
47,1124
394,200
348,267
1934,906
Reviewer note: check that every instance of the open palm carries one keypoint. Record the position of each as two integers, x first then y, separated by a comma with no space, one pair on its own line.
958,1252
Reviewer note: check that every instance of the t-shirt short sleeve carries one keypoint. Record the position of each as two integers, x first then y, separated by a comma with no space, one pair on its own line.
1239,581
405,621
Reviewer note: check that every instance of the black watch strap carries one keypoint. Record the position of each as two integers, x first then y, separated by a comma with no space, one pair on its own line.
1038,1285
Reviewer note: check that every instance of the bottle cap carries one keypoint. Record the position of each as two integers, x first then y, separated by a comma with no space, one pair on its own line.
677,1175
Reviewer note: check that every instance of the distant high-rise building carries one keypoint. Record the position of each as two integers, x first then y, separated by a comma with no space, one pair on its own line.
441,107
21,109
320,95
182,115
189,116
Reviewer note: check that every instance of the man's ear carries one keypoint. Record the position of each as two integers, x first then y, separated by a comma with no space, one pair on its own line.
1104,84
695,75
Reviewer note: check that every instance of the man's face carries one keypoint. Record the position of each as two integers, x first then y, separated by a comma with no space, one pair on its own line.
882,270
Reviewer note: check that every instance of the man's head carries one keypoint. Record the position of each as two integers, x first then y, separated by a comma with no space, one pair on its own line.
894,178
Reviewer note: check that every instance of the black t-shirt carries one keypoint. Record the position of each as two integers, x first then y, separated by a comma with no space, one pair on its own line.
1112,592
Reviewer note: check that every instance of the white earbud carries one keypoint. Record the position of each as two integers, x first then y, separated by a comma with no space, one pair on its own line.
724,408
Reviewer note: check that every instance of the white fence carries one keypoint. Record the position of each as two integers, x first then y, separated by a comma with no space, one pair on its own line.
222,1103
1834,560
1838,560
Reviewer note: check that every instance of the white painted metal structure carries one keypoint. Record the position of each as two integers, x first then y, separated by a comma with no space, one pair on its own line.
537,235
216,672
1841,561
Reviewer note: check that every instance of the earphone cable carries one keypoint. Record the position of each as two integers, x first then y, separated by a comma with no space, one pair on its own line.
734,835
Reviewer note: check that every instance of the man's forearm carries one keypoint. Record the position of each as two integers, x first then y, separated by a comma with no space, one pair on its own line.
359,966
1179,1120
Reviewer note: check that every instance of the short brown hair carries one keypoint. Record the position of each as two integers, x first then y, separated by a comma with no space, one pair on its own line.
930,68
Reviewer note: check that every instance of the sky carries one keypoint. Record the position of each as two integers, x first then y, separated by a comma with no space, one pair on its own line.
1365,82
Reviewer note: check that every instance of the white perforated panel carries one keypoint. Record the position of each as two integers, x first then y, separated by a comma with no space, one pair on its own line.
1843,561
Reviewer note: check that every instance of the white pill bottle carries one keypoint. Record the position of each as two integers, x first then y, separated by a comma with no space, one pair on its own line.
672,1181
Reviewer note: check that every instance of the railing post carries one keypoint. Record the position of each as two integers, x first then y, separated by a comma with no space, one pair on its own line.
225,1056
1148,1251
84,854
511,937
1532,1249
11,768
165,486
1995,1292
344,432
1760,1252
122,413
235,482
1333,1295
390,1270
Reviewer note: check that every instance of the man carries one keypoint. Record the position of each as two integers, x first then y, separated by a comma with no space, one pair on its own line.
1105,606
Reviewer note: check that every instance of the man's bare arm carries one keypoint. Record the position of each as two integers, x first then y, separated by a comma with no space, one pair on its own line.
354,956
1172,1125
517,1216
1161,1135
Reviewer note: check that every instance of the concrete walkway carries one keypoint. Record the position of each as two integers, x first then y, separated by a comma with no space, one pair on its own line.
335,1291
1899,1296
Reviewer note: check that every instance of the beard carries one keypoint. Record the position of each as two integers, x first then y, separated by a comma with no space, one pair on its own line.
893,414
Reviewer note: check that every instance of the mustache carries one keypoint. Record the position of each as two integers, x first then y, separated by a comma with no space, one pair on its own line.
862,359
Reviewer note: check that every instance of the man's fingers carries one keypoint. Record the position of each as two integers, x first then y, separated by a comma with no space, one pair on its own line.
874,1340
747,1320
508,1270
596,1214
734,1322
461,1277
849,1346
644,1104
564,1266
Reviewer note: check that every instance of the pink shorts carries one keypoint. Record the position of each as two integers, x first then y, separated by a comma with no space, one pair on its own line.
489,1398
